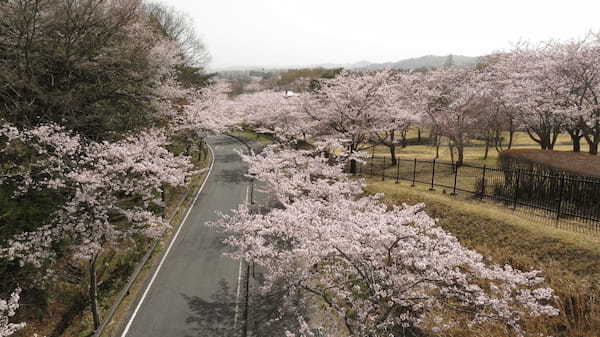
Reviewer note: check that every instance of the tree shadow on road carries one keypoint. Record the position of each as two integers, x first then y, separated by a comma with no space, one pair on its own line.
213,318
235,176
269,314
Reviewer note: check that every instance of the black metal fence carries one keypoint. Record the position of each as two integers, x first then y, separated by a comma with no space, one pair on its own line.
566,199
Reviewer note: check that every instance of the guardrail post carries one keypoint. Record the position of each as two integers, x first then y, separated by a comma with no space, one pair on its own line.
432,175
414,172
455,178
397,171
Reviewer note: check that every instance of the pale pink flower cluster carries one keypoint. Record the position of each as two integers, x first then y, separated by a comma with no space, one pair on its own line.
8,309
554,86
104,181
377,268
295,174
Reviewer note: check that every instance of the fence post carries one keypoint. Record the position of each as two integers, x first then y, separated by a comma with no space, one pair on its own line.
383,170
432,175
517,189
455,177
414,173
483,183
397,171
560,197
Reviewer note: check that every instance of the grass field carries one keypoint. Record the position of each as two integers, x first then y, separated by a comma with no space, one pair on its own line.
253,136
474,153
569,261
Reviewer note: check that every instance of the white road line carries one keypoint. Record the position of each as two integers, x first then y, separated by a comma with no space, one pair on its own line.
137,308
239,282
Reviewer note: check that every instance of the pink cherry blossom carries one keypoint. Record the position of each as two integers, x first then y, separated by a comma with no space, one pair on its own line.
8,309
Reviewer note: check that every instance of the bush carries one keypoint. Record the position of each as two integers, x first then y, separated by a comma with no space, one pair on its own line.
551,180
547,162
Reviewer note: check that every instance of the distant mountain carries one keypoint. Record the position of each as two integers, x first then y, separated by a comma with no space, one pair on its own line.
428,61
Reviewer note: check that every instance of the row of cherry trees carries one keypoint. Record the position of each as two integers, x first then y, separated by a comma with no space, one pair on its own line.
381,271
107,193
385,271
544,90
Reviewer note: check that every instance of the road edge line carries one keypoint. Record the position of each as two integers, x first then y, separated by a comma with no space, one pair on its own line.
141,301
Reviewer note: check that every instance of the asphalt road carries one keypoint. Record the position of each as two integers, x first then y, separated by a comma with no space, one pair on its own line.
194,292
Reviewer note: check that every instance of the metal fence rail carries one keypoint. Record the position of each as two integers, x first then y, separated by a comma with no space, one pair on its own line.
567,199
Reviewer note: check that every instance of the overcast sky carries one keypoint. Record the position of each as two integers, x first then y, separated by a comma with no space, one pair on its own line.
303,32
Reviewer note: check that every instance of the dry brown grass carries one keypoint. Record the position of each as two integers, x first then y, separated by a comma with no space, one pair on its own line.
570,262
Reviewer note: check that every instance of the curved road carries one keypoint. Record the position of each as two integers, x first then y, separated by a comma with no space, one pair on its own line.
195,290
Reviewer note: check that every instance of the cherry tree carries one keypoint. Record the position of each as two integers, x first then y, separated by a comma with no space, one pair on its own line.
576,65
275,113
291,175
500,115
400,111
349,107
379,270
33,159
452,100
532,91
113,193
8,309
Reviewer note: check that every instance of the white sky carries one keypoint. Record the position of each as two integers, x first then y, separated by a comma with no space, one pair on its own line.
303,32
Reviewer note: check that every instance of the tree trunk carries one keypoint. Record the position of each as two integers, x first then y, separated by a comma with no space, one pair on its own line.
418,136
553,140
575,139
353,166
451,148
437,146
511,135
593,139
593,147
487,146
498,140
461,155
577,145
393,146
93,294
543,140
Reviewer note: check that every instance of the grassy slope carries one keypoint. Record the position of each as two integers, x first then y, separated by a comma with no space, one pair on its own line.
569,261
